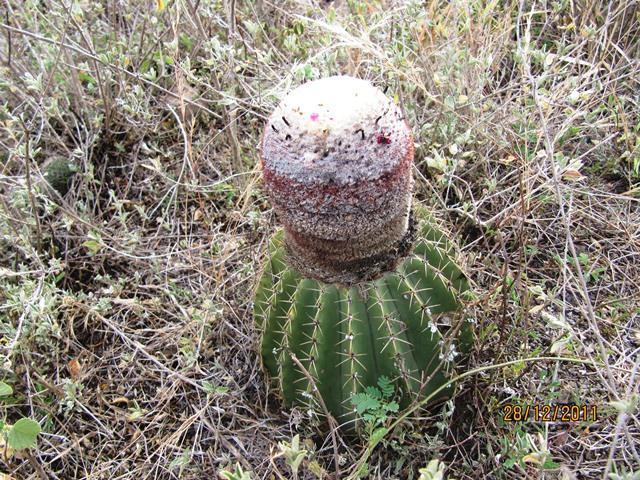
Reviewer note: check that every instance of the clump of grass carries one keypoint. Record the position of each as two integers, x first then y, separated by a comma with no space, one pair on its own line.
125,302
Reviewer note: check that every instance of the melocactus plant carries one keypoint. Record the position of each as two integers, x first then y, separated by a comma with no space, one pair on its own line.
58,174
356,286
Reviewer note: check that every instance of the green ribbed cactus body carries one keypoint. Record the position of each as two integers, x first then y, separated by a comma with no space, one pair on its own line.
402,325
58,174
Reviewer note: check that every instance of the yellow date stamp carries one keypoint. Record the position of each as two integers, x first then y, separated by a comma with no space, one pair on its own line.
560,412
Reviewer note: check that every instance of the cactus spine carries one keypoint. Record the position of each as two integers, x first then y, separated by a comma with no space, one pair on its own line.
348,292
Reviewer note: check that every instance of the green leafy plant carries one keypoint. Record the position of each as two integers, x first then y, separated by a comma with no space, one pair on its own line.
236,474
591,273
624,475
21,435
293,454
526,448
433,471
376,403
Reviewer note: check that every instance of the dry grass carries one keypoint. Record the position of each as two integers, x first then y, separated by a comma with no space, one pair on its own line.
125,304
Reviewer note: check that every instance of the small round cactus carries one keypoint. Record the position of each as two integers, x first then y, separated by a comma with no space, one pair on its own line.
58,174
356,286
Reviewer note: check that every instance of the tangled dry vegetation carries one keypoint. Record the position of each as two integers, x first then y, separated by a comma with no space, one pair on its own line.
125,304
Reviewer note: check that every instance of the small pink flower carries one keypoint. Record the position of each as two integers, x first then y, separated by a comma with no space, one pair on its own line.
314,116
383,139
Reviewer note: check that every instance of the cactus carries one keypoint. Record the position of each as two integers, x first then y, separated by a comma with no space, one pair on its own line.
356,285
58,174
